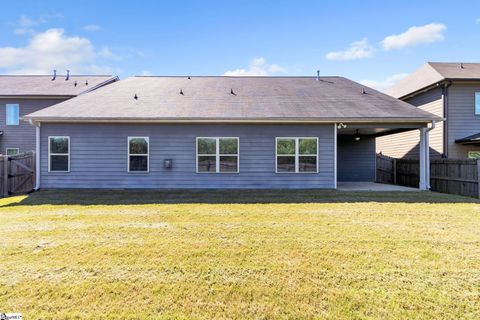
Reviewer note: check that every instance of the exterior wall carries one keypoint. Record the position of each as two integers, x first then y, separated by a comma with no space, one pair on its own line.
462,119
355,159
98,157
406,144
23,135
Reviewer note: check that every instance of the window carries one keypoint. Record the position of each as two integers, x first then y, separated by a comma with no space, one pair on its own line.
138,149
59,154
473,154
13,114
11,151
477,103
217,155
297,155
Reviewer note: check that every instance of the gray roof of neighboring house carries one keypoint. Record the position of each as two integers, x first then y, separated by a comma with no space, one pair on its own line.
234,99
432,73
43,85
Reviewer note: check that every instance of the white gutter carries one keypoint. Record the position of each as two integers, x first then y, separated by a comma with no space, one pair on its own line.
37,154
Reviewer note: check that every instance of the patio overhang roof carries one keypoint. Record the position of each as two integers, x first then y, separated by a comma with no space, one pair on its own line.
474,139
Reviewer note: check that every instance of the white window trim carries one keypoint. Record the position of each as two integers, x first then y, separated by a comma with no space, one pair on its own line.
477,94
296,155
58,154
6,150
217,155
6,114
138,154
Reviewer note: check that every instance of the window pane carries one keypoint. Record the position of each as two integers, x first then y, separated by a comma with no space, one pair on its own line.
207,164
138,146
138,163
58,145
286,146
307,146
229,146
58,163
477,103
286,164
12,151
12,114
207,146
307,164
228,164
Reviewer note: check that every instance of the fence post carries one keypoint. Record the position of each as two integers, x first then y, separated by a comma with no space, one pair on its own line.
478,178
5,175
394,171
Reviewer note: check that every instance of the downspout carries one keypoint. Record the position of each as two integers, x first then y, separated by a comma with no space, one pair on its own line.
445,116
37,154
427,155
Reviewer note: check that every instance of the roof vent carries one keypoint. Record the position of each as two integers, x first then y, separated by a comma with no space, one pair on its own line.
181,92
86,82
231,92
54,75
461,66
188,78
135,97
364,91
68,75
318,75
75,84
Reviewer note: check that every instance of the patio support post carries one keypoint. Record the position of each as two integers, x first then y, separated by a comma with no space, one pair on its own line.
424,160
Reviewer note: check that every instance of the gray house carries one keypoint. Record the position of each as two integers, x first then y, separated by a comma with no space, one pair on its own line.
21,95
220,132
450,91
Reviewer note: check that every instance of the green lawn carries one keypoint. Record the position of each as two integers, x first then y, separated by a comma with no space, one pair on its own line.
240,254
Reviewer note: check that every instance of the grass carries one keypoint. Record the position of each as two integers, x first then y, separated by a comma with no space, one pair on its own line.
240,254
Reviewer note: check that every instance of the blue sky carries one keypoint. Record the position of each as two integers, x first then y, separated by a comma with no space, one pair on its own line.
374,42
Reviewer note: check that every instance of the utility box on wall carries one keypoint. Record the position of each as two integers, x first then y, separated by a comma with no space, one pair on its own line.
168,163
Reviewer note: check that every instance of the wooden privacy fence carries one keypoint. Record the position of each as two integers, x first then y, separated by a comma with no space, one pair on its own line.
454,176
17,173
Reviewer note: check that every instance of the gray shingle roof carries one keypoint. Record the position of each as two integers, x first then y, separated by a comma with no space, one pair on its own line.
33,85
254,98
433,72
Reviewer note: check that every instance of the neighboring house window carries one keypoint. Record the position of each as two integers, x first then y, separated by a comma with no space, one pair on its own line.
12,151
59,154
474,154
138,153
217,155
477,103
296,155
13,114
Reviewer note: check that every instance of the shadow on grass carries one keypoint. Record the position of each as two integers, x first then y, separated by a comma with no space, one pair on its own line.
148,196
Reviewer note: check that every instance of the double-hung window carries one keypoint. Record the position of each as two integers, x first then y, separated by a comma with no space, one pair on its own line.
138,153
217,155
59,154
13,114
296,155
477,103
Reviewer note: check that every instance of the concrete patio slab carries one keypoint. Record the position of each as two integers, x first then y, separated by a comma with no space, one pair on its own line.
372,186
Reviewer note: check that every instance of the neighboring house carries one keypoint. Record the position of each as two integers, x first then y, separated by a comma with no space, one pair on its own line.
219,132
450,91
21,95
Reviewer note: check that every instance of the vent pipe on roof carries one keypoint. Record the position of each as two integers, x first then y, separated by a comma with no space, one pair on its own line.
318,75
231,92
75,84
461,65
68,75
135,97
364,91
181,92
86,82
54,75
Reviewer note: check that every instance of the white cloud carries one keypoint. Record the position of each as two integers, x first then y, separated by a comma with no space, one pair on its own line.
92,27
53,49
146,73
415,35
385,83
257,67
358,50
106,53
25,25
477,20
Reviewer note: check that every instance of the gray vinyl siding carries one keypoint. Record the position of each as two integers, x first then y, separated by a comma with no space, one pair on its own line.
23,135
461,116
405,144
356,159
99,156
